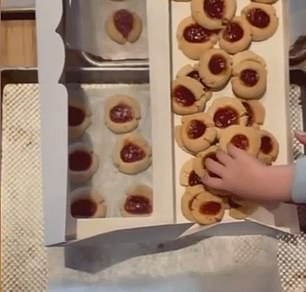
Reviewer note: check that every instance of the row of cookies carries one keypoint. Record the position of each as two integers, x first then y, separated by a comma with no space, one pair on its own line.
82,163
87,203
203,207
132,153
194,84
213,23
198,131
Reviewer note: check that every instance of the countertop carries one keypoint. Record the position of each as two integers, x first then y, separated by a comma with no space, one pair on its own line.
18,42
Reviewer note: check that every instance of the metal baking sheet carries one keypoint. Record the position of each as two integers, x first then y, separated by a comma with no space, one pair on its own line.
85,29
103,140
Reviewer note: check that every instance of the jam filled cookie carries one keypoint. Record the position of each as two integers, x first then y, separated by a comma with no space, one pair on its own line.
248,56
199,162
83,163
207,209
138,201
262,19
78,118
193,39
192,72
188,96
132,154
241,209
227,111
198,132
255,112
236,36
213,13
86,203
187,199
215,68
122,114
124,26
188,176
201,171
249,80
245,138
178,139
269,147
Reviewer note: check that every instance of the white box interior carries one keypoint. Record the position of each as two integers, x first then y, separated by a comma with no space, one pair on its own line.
275,101
51,57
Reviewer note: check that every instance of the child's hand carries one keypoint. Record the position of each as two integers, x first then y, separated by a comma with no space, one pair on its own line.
301,137
244,176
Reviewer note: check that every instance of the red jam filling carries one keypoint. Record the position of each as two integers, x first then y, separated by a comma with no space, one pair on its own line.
196,33
240,141
83,208
214,8
184,96
75,116
266,144
233,32
217,64
138,205
79,160
194,179
249,77
132,153
225,117
196,129
124,22
258,17
195,75
210,208
250,114
121,113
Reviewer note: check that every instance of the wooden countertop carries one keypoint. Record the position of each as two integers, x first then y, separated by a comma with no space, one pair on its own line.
18,43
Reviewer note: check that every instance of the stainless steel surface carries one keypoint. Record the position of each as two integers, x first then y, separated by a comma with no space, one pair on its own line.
97,61
102,75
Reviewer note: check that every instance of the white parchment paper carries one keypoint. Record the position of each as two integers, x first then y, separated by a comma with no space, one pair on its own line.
85,29
108,181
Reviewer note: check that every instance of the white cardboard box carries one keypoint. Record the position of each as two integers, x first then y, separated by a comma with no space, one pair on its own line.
54,104
166,221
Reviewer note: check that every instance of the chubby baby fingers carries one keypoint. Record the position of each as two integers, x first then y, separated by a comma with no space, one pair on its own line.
213,182
214,167
223,157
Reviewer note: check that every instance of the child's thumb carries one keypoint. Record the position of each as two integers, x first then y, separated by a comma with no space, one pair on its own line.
301,136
